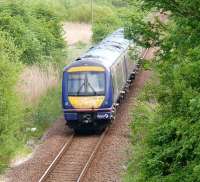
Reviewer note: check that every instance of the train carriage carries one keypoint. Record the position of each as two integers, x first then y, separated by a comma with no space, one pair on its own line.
94,83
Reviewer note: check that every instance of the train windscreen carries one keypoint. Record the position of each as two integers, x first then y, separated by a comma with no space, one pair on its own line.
86,84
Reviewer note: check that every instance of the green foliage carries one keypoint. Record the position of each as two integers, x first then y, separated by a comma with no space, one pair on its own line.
170,149
59,8
102,28
100,12
105,22
42,115
28,35
109,17
35,31
80,13
8,48
11,113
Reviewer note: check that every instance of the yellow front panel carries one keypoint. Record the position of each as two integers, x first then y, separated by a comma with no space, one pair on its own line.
86,68
86,102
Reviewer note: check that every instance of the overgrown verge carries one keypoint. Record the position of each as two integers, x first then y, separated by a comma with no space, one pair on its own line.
28,35
165,127
41,115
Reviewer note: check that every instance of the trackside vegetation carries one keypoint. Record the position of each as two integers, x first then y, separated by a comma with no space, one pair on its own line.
166,121
28,35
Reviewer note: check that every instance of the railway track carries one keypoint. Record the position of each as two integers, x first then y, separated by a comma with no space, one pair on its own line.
74,159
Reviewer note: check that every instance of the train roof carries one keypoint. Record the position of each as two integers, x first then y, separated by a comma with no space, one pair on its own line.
106,52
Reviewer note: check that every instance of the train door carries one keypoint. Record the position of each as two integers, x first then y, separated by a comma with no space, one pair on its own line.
115,84
125,67
120,74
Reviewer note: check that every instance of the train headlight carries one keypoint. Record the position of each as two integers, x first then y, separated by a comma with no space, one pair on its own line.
66,103
106,102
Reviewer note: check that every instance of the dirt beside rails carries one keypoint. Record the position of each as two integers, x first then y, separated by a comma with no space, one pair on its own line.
109,162
51,143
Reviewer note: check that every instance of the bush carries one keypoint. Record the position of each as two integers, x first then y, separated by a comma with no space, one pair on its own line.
11,112
37,37
59,8
105,22
80,13
107,16
28,35
8,48
43,114
169,150
101,30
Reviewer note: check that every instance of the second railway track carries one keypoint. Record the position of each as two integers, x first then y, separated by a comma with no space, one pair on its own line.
74,159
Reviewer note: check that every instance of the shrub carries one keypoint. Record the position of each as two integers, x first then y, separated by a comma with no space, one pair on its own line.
105,22
169,150
37,37
45,112
8,48
80,13
11,112
29,35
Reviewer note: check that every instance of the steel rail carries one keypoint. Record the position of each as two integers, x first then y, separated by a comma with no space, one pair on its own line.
62,152
68,144
57,158
87,165
89,161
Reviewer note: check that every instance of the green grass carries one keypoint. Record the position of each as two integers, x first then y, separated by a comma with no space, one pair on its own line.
42,115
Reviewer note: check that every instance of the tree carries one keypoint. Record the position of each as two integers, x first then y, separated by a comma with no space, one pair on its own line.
171,148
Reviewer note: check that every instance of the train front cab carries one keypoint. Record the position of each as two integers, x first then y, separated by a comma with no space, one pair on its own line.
87,97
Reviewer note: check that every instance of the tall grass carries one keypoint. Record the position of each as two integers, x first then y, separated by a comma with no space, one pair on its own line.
35,81
42,114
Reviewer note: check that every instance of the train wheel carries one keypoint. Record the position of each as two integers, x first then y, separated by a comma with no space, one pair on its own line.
114,111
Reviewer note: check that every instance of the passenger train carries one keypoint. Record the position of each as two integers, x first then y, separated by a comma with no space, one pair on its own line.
94,83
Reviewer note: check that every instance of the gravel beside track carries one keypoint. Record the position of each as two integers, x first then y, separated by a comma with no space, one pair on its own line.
52,142
110,160
74,159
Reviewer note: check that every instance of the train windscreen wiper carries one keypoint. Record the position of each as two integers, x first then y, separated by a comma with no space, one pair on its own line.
83,84
89,84
86,84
